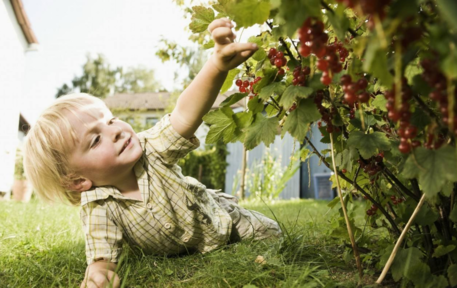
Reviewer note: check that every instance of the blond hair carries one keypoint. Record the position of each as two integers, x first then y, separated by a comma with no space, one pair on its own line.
46,149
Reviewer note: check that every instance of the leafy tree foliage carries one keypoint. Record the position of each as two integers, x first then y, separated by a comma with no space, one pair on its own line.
100,79
378,77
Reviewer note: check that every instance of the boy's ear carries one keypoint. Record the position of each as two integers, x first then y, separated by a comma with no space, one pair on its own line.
80,185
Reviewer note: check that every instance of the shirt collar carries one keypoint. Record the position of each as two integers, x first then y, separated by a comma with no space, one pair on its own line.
100,193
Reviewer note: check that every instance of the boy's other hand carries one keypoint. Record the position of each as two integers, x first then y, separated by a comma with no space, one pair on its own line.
227,54
101,274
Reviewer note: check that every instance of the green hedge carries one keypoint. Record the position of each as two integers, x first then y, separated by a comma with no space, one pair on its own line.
213,165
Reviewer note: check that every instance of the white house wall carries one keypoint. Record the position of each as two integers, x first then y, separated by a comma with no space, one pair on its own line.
12,65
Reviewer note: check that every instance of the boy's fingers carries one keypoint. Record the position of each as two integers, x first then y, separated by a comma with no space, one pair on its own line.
223,22
223,35
238,48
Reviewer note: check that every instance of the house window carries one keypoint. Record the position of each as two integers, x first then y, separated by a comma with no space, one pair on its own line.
130,120
151,121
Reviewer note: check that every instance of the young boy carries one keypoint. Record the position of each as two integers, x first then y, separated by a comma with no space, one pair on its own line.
128,185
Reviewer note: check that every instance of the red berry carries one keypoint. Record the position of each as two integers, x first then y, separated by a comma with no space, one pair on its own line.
322,65
245,83
243,89
344,171
272,52
416,143
238,82
306,70
278,62
281,72
364,97
393,197
305,51
410,132
345,79
350,98
374,207
362,83
279,55
404,147
325,79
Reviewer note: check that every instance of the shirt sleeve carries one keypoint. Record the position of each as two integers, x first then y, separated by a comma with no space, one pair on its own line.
103,237
167,144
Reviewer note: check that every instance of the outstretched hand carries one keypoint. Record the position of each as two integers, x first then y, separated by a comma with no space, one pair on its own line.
227,54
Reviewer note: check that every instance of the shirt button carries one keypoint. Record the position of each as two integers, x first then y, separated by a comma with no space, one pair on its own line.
167,225
149,205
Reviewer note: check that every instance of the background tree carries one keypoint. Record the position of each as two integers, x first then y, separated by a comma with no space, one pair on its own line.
100,79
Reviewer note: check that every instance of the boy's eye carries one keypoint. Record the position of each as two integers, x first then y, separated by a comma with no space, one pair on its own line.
95,142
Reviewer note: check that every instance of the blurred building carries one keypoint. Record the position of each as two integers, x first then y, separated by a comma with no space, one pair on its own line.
16,39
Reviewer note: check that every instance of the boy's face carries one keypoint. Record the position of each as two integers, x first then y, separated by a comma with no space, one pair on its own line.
106,148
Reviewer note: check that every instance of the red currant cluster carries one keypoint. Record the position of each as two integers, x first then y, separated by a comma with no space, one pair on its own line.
313,39
372,210
246,85
332,61
433,76
327,114
354,91
396,200
406,131
277,59
369,8
373,165
300,75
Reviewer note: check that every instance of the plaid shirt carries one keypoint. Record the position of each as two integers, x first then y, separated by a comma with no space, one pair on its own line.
175,215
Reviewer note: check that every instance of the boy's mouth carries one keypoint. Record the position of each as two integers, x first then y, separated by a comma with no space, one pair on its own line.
126,144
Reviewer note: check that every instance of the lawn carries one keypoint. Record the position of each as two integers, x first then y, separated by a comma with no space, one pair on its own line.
43,246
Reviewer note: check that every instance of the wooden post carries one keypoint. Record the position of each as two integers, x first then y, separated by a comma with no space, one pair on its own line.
243,173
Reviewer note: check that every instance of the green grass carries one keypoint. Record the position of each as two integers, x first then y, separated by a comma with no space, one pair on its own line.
43,246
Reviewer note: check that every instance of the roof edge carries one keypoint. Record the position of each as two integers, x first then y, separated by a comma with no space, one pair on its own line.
23,21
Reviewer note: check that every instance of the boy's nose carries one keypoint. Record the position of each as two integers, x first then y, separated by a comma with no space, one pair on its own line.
117,133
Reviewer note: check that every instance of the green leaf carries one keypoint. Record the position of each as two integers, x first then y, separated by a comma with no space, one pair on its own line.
448,66
260,53
209,44
315,82
432,168
368,144
442,250
420,119
254,105
380,103
268,77
297,122
404,262
291,92
448,9
453,214
232,99
273,88
339,21
201,18
452,274
376,63
261,130
369,120
242,119
246,13
229,81
222,125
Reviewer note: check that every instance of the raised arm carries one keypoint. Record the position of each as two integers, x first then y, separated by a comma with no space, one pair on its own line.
197,99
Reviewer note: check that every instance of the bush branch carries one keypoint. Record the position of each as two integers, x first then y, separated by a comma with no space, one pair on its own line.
360,189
